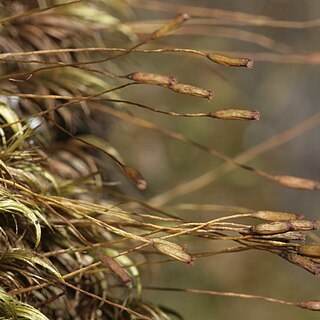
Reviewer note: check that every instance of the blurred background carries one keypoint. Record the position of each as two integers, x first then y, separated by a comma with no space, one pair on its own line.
284,87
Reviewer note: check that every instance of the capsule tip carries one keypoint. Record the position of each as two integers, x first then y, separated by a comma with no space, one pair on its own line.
249,63
185,16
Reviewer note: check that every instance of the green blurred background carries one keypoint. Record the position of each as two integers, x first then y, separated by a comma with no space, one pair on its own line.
286,94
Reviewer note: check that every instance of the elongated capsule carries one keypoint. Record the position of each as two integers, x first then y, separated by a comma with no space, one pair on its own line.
271,228
302,225
277,216
290,235
313,305
310,250
152,78
297,183
236,114
116,268
173,250
301,261
171,25
230,62
192,90
135,176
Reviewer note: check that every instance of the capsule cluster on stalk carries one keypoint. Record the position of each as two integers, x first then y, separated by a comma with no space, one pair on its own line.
285,226
281,230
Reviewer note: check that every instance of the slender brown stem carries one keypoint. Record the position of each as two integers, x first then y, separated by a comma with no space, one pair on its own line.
209,177
223,294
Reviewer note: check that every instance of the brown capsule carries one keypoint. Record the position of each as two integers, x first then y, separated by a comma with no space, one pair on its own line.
313,305
301,225
152,78
310,250
271,228
230,62
191,90
290,235
301,262
173,250
277,216
316,224
297,183
135,176
171,25
116,268
236,114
